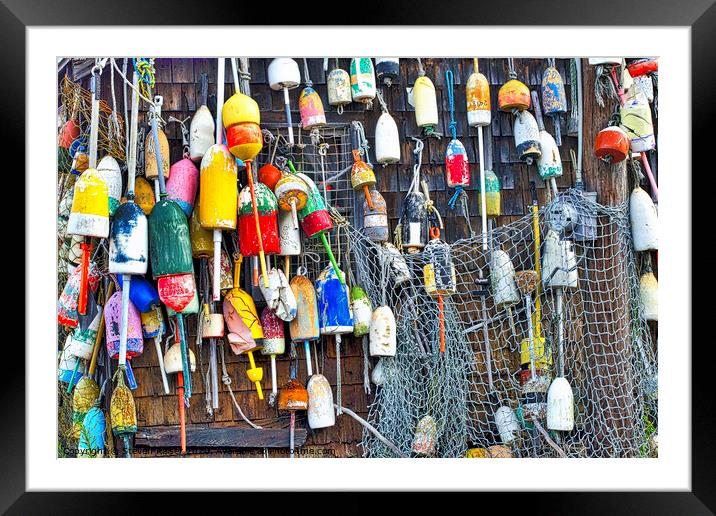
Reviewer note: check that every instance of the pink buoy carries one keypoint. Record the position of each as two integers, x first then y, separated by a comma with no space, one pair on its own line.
113,320
182,184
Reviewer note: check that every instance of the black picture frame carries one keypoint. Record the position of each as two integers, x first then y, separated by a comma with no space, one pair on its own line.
700,15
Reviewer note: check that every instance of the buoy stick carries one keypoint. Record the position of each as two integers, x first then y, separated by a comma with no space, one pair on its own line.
294,215
126,282
131,381
553,184
160,359
274,388
289,122
185,360
441,318
287,265
100,333
530,335
560,332
257,383
158,155
293,427
219,97
216,287
483,200
538,270
339,408
650,175
368,199
262,256
82,301
132,159
74,373
214,375
332,258
182,420
309,367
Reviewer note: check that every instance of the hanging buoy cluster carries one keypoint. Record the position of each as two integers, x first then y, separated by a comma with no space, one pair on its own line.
180,233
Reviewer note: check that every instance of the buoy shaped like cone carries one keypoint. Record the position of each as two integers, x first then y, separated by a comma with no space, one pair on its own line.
426,433
182,184
492,195
554,98
339,87
426,103
144,195
89,215
150,159
334,308
267,208
113,323
513,95
383,338
387,140
173,362
457,169
129,241
502,279
549,163
362,79
362,311
477,93
377,376
560,406
269,175
559,263
612,144
177,291
201,133
109,169
321,413
305,326
283,72
218,190
507,424
362,177
311,109
142,293
169,240
375,220
387,69
644,221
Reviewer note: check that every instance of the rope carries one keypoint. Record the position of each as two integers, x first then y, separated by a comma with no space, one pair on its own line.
511,67
226,380
451,98
421,70
309,83
146,72
381,101
363,145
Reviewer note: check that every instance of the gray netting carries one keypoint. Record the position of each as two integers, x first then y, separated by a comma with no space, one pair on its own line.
608,356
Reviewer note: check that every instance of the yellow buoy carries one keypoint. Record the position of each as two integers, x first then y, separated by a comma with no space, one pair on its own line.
218,190
150,160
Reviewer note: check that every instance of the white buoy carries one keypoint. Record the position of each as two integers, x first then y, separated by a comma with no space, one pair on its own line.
383,338
644,221
321,413
560,406
507,424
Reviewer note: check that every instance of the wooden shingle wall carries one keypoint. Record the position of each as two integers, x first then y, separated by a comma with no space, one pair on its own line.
178,81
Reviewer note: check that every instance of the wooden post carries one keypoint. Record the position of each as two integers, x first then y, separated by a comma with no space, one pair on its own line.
607,318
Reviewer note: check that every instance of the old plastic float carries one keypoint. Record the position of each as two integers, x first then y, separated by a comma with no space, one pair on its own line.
426,433
267,208
67,313
201,127
649,293
311,108
426,104
113,327
269,175
123,414
636,121
387,69
644,221
612,144
320,403
383,335
144,195
292,194
292,398
387,139
108,168
502,277
527,137
439,276
362,80
290,239
375,220
477,95
507,424
339,88
549,162
304,328
398,267
554,97
283,74
274,344
362,311
278,295
492,195
182,184
362,177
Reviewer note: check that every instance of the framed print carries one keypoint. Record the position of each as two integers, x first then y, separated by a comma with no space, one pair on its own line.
266,248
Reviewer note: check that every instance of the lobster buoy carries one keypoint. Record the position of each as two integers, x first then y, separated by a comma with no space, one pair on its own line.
89,215
274,342
377,376
182,184
189,309
439,271
645,84
387,140
123,415
129,241
457,168
283,72
269,175
267,208
241,118
362,80
218,191
113,317
201,133
644,221
362,177
67,314
477,93
414,222
334,307
240,314
649,295
92,436
559,263
173,362
560,405
169,240
289,235
82,341
226,280
311,109
507,424
292,194
554,98
636,121
68,367
320,403
362,311
339,88
375,219
202,244
144,195
387,69
502,277
426,104
426,433
69,133
527,137
549,163
383,336
513,95
305,326
398,267
492,195
612,144
108,168
150,159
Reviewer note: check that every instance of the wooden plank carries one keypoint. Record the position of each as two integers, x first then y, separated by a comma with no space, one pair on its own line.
233,437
